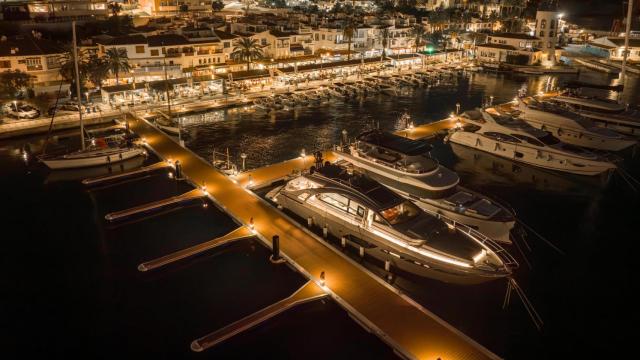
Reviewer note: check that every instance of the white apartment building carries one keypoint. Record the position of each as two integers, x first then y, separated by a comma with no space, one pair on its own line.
510,48
37,57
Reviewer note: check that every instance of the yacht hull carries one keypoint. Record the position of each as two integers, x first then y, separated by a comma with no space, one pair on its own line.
585,139
431,200
541,158
379,249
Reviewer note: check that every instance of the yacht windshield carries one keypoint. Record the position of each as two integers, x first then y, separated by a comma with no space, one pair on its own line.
549,139
400,213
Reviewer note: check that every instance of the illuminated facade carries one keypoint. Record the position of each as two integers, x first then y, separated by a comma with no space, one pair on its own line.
54,10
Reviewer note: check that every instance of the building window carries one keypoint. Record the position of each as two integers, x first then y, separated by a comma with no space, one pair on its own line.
543,24
154,52
552,24
5,64
140,49
227,44
551,34
541,33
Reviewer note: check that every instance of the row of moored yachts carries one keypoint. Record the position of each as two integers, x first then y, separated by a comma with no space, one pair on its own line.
390,199
385,84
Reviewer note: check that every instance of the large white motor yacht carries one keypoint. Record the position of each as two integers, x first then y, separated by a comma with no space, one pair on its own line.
405,166
603,112
514,139
390,228
570,127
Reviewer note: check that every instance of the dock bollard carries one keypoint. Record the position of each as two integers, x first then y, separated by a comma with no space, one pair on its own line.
178,170
325,231
387,265
275,250
361,251
309,221
343,241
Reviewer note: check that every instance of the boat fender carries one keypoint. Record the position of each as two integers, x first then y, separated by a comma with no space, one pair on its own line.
478,143
120,156
108,159
497,147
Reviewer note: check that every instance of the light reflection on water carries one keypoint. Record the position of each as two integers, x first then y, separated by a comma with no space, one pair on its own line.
272,137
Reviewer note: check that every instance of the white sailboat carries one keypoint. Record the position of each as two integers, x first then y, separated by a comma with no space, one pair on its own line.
98,153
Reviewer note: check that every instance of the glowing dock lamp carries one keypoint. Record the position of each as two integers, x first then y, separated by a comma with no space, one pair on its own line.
144,141
303,153
243,156
458,125
250,181
457,108
452,116
204,188
322,279
251,226
491,100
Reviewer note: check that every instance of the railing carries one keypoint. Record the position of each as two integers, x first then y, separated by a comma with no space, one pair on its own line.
506,258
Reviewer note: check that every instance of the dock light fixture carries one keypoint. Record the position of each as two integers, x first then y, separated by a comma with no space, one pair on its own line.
457,108
458,125
322,279
303,153
251,226
452,116
204,188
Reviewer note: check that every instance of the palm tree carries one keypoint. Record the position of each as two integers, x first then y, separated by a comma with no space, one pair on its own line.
117,61
384,36
348,32
247,50
216,5
67,71
418,32
97,70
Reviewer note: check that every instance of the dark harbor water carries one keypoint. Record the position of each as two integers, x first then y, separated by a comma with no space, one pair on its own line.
70,283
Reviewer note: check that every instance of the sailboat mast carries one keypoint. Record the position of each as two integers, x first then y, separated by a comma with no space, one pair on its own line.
625,55
75,65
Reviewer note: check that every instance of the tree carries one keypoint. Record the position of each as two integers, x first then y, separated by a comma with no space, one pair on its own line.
348,32
418,32
115,8
217,5
67,68
97,70
117,61
14,83
247,50
384,37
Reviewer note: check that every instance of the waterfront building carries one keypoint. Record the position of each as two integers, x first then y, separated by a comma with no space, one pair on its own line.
38,57
547,32
518,49
613,48
54,10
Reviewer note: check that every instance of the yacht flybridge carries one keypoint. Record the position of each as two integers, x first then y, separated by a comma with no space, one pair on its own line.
514,139
570,127
391,228
405,166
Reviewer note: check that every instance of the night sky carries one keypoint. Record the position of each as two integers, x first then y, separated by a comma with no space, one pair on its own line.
593,13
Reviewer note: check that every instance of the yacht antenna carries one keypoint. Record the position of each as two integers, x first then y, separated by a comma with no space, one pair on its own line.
625,55
75,65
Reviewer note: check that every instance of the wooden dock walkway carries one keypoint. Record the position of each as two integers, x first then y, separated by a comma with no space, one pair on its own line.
403,324
308,292
190,195
237,234
266,175
428,130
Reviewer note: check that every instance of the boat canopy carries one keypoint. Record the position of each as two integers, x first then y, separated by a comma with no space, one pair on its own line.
370,192
392,142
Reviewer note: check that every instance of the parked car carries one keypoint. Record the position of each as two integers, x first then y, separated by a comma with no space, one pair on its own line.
20,110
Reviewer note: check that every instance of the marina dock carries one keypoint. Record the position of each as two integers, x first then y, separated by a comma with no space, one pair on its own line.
114,177
308,292
428,130
410,329
237,234
190,195
265,176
